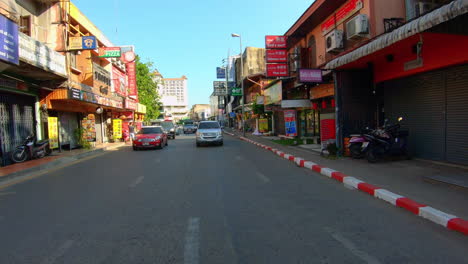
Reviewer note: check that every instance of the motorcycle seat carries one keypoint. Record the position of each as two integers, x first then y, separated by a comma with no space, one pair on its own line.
41,143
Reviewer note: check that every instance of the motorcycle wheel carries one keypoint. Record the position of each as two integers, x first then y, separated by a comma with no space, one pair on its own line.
19,155
372,155
355,150
48,151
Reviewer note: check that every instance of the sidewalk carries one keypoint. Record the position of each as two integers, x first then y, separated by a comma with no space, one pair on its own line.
407,178
56,159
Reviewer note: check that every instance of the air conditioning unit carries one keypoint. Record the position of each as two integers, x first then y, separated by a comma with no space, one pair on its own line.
334,41
422,8
357,27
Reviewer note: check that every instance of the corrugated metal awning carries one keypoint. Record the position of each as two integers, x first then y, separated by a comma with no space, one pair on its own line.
421,24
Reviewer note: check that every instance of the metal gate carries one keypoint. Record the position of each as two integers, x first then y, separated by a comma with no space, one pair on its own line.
16,122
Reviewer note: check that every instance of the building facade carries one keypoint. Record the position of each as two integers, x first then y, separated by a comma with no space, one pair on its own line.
174,97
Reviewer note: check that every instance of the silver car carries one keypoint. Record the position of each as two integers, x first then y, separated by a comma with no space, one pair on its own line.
209,132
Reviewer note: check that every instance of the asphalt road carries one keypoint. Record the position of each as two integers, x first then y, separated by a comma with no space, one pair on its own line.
231,204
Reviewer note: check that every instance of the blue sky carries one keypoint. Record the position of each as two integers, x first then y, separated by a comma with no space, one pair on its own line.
189,37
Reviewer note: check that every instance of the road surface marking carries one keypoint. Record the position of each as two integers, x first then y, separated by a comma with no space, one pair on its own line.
262,177
136,182
59,253
192,243
349,245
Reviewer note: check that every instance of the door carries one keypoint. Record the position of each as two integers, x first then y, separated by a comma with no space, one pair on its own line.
16,122
68,127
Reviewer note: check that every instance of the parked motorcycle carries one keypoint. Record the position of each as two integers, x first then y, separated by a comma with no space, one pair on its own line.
388,141
31,149
358,144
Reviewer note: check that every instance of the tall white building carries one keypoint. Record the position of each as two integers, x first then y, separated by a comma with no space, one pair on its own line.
174,96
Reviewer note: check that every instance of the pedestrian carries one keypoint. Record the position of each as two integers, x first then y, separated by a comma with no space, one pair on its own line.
131,130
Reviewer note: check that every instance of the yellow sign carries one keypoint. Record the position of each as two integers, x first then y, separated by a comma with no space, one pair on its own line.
263,125
117,127
53,132
75,43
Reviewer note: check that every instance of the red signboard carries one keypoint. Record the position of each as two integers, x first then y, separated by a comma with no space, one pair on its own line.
119,80
275,42
130,104
276,55
277,70
341,14
132,83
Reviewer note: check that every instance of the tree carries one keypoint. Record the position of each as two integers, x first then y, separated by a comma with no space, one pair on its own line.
147,89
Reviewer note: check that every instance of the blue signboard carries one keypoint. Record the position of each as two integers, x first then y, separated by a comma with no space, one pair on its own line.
9,44
220,73
89,42
232,114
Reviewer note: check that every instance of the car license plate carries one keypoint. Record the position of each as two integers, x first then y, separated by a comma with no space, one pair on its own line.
145,144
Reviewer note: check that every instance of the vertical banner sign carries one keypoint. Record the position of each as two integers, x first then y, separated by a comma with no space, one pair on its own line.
220,73
9,43
263,125
290,122
53,132
119,81
117,128
132,83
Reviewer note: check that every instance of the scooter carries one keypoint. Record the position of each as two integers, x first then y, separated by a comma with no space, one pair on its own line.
358,144
31,149
389,141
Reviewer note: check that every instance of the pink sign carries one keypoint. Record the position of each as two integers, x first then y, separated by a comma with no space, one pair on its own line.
130,104
310,75
276,42
132,83
277,70
119,80
276,55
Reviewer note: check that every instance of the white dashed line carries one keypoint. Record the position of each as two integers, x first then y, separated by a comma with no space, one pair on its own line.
349,245
136,182
192,243
59,253
262,177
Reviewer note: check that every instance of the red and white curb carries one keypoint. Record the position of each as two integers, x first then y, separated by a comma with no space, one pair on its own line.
447,220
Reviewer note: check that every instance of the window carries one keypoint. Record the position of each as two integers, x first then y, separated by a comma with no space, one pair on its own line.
25,25
312,52
208,125
150,130
73,59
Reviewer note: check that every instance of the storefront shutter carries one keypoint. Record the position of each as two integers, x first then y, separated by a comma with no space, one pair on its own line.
457,114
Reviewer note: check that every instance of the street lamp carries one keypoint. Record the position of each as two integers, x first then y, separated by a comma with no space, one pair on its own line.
234,35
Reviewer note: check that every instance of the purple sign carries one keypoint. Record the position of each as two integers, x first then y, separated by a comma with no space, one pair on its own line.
9,44
310,75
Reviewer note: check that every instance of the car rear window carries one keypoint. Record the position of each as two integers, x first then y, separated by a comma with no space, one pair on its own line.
167,125
206,125
151,130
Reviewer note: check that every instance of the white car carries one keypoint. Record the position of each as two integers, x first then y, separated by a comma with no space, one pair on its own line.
209,132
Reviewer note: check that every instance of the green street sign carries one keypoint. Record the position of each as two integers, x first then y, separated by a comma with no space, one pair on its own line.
236,91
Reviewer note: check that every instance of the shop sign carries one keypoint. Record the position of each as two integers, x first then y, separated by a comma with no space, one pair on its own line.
263,125
141,108
102,79
128,54
347,10
117,128
274,94
132,83
130,104
89,97
290,123
310,75
75,43
277,70
9,44
12,84
36,53
302,103
119,81
89,42
109,52
89,128
236,91
276,42
276,55
219,88
220,73
53,132
74,94
323,90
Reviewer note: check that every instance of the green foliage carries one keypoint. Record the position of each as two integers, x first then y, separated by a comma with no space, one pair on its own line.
79,138
147,89
257,109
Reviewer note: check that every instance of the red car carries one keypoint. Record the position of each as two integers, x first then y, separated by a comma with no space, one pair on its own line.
150,137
